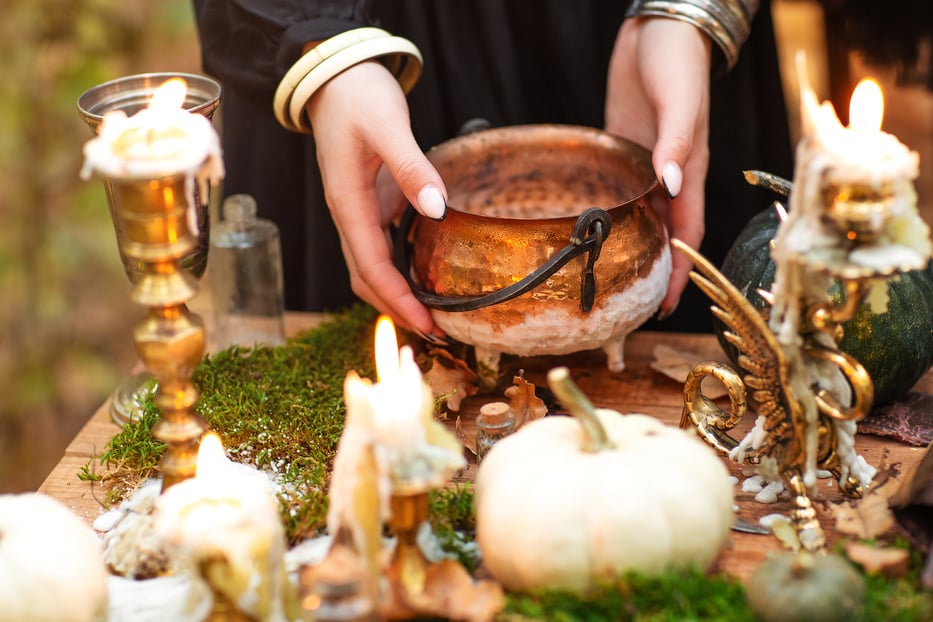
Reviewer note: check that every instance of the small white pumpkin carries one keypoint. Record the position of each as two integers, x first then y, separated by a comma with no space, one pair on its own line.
569,502
51,563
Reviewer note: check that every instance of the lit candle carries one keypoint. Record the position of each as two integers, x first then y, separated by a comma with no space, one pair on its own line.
862,152
225,523
400,399
854,201
390,439
160,140
853,211
358,496
399,410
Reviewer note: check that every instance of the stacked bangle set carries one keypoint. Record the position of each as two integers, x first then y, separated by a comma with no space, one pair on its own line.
727,22
332,56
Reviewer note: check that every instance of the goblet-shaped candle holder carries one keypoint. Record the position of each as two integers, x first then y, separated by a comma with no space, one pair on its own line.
131,94
158,164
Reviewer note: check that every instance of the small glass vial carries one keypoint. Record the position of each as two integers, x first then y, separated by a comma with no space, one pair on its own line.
245,274
494,422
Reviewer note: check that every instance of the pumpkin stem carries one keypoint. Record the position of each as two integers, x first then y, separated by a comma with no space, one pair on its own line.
570,395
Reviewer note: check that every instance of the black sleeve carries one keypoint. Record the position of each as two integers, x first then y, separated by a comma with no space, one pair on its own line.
249,44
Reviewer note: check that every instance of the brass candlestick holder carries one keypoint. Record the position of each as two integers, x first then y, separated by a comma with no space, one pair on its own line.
766,377
408,570
153,215
157,166
808,393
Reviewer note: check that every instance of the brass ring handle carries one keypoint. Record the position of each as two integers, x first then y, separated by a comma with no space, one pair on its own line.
589,232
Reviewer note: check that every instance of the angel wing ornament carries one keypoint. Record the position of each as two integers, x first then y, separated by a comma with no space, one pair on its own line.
801,426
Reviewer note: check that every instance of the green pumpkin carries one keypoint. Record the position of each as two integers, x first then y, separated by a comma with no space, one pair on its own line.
801,587
895,347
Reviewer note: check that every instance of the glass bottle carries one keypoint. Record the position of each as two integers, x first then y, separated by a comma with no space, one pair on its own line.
494,422
245,274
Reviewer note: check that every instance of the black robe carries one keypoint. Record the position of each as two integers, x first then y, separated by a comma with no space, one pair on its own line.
506,61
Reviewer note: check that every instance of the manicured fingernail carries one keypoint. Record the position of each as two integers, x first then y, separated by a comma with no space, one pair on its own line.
672,178
663,314
432,339
431,203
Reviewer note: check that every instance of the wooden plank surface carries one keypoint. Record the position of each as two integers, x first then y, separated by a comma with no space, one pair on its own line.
638,388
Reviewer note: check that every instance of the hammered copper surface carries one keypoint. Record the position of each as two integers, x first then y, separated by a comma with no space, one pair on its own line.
514,196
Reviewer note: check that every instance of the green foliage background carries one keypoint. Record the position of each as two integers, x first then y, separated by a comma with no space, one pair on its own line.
65,315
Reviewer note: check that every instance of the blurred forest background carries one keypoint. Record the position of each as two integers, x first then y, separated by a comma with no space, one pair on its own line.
65,317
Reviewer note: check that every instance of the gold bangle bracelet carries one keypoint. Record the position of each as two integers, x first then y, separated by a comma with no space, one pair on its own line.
311,59
404,62
726,22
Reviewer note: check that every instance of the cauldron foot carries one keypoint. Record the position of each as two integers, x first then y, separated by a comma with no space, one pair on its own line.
487,367
615,353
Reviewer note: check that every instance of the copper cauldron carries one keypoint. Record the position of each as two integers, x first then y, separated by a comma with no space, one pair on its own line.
522,264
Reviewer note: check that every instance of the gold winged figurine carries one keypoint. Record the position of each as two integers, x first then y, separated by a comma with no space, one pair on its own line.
778,441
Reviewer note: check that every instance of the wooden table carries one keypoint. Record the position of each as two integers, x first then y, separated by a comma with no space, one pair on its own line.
638,388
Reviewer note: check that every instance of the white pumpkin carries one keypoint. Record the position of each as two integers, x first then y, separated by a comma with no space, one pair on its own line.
51,563
559,508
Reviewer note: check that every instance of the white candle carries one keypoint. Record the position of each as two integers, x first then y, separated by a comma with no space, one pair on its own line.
398,410
358,495
834,158
400,398
225,523
860,153
160,140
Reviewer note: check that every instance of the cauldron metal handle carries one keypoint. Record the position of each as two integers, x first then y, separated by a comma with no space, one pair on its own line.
589,232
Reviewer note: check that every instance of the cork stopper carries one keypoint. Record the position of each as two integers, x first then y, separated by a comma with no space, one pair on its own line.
495,413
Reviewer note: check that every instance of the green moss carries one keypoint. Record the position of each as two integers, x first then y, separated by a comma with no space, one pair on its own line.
680,596
898,600
280,409
453,520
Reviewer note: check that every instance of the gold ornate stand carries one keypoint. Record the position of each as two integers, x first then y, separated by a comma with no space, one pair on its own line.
807,392
154,215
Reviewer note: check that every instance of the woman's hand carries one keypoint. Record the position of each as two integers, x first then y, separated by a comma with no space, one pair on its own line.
361,127
658,96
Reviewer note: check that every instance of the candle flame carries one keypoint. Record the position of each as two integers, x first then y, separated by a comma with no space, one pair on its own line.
170,96
211,458
866,108
387,361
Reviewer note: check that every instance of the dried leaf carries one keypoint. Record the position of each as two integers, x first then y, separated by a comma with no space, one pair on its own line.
911,505
869,517
885,561
450,379
523,402
907,420
449,593
453,593
677,364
